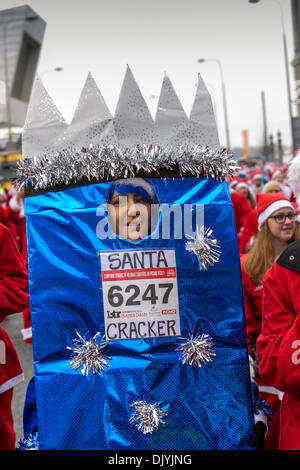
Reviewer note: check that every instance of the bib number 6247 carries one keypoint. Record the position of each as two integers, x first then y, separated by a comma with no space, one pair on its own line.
132,295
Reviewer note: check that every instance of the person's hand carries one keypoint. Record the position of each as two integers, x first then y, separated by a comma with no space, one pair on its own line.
20,194
258,438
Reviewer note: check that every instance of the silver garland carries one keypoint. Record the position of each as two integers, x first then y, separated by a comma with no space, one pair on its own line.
88,354
206,248
196,351
147,417
111,162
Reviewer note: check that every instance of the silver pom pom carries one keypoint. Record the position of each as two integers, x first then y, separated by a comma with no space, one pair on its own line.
196,351
88,354
206,248
31,442
147,417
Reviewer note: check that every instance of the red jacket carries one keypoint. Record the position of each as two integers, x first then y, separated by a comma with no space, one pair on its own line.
253,297
13,276
11,372
279,343
17,218
241,209
13,299
15,214
250,229
253,305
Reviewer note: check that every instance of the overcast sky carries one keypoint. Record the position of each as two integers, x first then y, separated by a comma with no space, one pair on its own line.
158,36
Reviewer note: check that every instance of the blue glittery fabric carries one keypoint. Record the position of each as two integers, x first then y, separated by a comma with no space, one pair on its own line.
208,407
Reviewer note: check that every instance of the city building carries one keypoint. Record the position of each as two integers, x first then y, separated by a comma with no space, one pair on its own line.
21,36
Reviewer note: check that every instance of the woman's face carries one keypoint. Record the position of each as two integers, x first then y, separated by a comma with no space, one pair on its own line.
258,182
282,231
279,178
130,215
243,191
274,190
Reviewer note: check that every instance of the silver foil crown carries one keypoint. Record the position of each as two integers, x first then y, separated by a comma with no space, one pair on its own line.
46,131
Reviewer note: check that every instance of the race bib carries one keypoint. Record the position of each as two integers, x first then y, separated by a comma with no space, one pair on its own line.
140,294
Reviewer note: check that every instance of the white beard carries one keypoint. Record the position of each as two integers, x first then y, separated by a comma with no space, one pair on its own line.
258,189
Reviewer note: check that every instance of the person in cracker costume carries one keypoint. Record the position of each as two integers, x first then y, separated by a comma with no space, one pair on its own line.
139,335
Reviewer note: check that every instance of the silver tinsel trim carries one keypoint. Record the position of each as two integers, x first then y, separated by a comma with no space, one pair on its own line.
111,162
196,351
147,417
206,248
88,354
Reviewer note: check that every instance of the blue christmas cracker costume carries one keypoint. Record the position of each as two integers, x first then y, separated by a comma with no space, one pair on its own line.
137,345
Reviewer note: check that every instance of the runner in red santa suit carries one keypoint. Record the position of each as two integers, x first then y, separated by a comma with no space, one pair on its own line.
250,228
13,299
277,229
245,215
257,182
278,345
278,176
16,215
249,232
243,187
241,209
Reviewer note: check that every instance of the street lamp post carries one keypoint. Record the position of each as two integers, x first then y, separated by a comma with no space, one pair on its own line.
6,76
8,112
286,64
56,69
224,98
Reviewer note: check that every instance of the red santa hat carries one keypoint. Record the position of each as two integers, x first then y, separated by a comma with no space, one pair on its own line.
242,183
269,203
232,182
277,173
257,174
